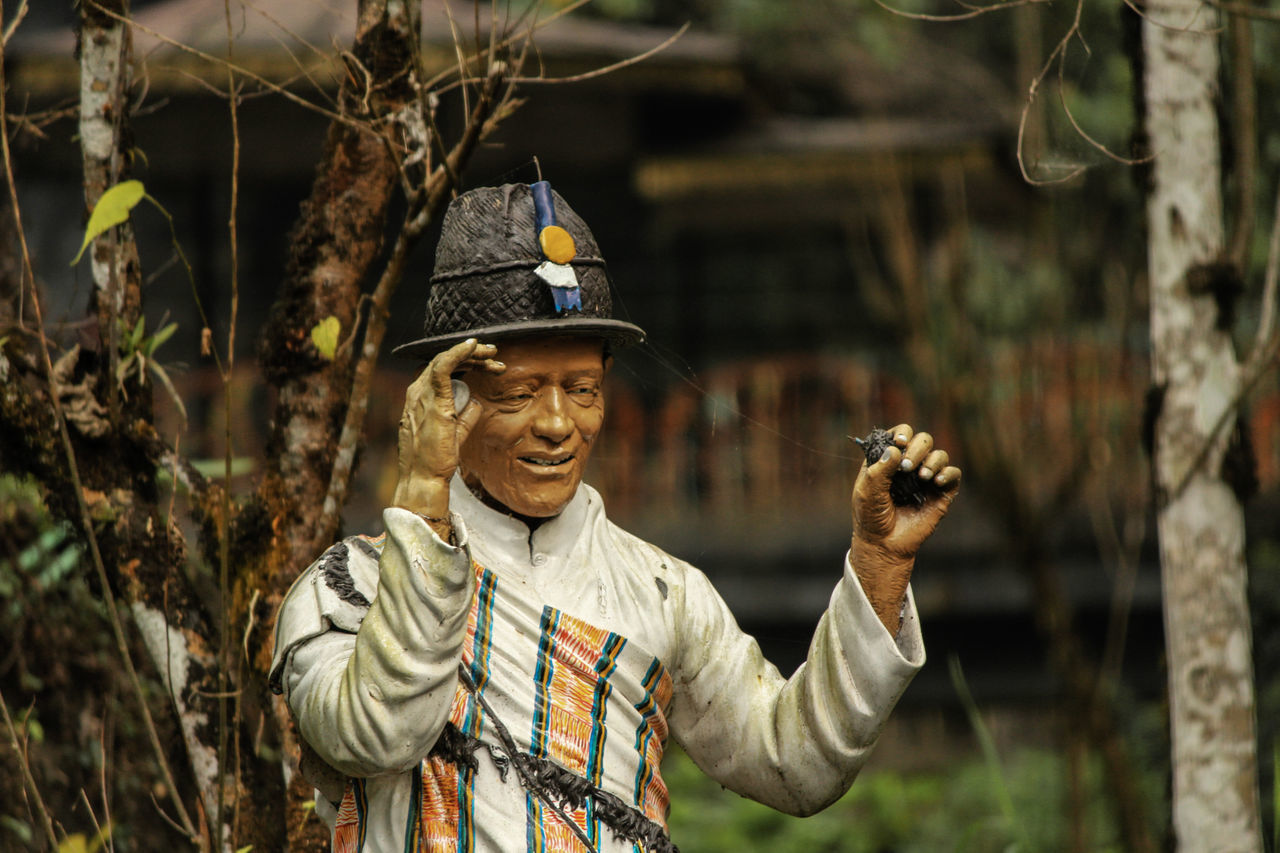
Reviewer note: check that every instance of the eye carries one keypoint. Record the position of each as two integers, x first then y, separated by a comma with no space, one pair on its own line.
513,399
583,392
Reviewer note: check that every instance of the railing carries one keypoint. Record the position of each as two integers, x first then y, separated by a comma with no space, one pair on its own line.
766,438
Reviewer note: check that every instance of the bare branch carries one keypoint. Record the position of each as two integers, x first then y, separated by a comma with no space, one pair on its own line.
510,40
1245,10
439,187
21,755
974,11
1057,53
1066,109
608,69
243,72
18,15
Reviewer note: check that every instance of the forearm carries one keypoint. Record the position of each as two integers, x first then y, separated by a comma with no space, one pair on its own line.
796,745
375,702
884,578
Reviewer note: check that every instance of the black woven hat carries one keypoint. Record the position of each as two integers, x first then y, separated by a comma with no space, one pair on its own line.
485,287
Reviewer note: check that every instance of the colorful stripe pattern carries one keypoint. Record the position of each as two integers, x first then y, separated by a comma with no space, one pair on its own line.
651,738
349,828
571,697
575,660
442,807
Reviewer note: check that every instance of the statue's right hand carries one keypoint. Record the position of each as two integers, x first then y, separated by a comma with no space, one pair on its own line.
432,430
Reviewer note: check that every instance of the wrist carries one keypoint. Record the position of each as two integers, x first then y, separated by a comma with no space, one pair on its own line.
884,576
426,496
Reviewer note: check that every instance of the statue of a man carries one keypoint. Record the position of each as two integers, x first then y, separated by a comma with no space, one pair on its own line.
501,670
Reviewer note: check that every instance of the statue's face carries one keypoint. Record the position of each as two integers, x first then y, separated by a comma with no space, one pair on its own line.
538,419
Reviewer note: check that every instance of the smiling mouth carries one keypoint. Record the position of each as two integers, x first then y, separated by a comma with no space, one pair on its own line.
547,463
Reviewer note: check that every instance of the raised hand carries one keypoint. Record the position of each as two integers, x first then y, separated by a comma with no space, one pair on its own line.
432,429
886,537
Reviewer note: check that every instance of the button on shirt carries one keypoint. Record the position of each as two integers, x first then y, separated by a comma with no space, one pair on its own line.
371,678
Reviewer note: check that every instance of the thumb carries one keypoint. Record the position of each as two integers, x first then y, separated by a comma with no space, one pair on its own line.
467,419
873,509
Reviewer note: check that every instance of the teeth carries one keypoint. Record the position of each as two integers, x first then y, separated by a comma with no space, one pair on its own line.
545,462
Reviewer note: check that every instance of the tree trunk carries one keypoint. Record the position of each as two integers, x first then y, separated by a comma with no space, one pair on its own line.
1196,375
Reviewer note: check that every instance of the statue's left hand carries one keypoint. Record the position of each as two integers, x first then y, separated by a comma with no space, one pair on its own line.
886,537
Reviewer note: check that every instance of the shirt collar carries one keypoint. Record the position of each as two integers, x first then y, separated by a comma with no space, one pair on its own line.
506,538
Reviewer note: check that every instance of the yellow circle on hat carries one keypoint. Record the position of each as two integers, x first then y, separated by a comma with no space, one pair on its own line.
557,244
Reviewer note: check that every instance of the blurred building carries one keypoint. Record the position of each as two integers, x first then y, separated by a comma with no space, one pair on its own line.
755,220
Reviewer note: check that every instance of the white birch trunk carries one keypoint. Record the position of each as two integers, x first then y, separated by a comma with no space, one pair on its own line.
1201,526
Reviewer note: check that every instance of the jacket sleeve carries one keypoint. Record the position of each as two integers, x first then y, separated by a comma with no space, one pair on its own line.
374,701
794,744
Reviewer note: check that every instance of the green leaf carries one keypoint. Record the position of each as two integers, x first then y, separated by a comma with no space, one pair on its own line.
245,849
168,386
325,336
160,337
112,209
216,468
17,827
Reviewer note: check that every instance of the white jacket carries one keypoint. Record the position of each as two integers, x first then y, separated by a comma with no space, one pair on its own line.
590,646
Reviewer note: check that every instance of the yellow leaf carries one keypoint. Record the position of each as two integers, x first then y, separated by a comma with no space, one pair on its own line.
245,849
74,844
325,336
112,209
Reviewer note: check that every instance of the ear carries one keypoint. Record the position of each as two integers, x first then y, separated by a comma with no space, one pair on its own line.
608,362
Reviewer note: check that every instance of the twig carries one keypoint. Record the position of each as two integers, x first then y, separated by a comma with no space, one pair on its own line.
18,15
1058,52
457,49
608,69
1266,348
164,814
1066,108
375,326
243,72
102,776
1267,319
1245,10
509,40
74,474
974,11
21,755
302,69
224,517
93,817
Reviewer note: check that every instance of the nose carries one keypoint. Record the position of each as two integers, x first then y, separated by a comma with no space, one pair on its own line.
552,421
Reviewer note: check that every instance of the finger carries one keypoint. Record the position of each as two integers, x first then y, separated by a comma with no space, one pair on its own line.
489,365
933,463
948,478
902,434
917,449
443,366
467,419
447,362
873,507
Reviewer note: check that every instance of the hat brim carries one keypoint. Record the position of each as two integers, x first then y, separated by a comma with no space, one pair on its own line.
616,332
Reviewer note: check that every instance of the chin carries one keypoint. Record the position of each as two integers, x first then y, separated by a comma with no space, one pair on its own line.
536,500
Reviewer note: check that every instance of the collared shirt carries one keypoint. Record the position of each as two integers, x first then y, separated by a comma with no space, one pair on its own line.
591,647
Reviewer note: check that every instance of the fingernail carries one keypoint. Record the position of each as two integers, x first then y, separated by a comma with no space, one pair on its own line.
902,436
887,455
498,364
926,473
907,465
